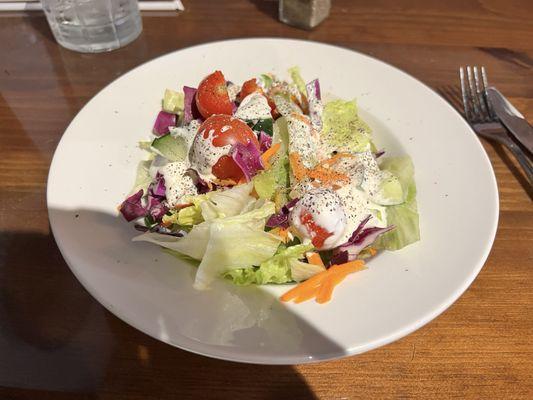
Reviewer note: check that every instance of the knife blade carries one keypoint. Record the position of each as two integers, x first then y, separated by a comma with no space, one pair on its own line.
511,118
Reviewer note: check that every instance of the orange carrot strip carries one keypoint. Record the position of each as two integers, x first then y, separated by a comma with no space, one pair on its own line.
352,266
301,118
335,158
335,277
326,289
298,170
307,294
314,258
311,282
284,234
372,251
267,155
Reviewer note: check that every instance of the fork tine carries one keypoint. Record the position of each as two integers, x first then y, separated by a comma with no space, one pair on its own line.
464,93
492,115
472,91
480,91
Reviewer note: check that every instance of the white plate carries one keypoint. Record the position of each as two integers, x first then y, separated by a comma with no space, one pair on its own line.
94,168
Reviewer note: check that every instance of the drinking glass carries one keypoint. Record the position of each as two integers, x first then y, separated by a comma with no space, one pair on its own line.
92,26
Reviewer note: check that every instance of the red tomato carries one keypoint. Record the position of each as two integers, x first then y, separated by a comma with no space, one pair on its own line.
250,87
227,130
212,96
319,234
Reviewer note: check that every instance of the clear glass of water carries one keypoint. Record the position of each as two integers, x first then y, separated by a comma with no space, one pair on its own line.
92,26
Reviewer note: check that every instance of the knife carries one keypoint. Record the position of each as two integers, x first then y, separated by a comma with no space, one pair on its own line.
511,118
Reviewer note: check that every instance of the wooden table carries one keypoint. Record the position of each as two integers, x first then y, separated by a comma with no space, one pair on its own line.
57,342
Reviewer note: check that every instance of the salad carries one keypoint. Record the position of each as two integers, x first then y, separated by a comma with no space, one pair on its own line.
269,183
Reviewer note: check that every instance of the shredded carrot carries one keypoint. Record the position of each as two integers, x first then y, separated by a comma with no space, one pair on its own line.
334,159
372,251
326,289
311,282
314,258
301,118
267,155
321,285
326,175
284,234
307,294
297,167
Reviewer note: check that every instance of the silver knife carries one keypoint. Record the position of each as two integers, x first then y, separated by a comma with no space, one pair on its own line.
511,118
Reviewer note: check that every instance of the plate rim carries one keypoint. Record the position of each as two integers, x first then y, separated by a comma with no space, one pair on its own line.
292,360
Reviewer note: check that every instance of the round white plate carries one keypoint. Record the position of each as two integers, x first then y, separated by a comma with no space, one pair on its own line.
94,168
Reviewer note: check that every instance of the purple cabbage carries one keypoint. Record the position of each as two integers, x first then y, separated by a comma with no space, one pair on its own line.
265,141
132,207
365,237
159,229
281,219
163,121
233,107
338,258
156,208
158,188
313,90
315,108
248,158
190,109
379,153
201,185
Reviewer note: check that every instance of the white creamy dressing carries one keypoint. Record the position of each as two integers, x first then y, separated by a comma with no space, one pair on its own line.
233,91
253,107
203,155
177,182
326,209
186,132
316,108
355,201
303,139
284,106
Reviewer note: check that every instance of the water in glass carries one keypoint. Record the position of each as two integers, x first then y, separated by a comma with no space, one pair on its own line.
93,25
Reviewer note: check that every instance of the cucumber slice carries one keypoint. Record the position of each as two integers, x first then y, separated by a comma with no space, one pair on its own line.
173,149
265,125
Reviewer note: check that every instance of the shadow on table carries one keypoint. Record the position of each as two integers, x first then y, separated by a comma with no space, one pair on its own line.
56,337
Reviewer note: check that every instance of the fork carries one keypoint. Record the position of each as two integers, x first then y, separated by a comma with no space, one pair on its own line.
479,114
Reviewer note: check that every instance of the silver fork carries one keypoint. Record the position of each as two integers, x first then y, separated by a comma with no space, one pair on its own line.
479,114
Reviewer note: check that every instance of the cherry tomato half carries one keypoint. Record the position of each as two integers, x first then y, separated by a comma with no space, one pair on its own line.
227,130
212,96
251,86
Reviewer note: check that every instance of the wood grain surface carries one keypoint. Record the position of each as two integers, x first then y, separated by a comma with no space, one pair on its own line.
57,342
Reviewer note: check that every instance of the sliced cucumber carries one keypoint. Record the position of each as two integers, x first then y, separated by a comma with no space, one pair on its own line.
265,125
172,148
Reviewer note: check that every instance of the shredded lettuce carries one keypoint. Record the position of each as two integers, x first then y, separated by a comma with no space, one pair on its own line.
268,182
143,177
236,242
226,203
343,130
194,244
297,79
276,269
403,216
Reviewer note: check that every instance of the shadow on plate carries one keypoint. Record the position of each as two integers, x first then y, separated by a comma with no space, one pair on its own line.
56,337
